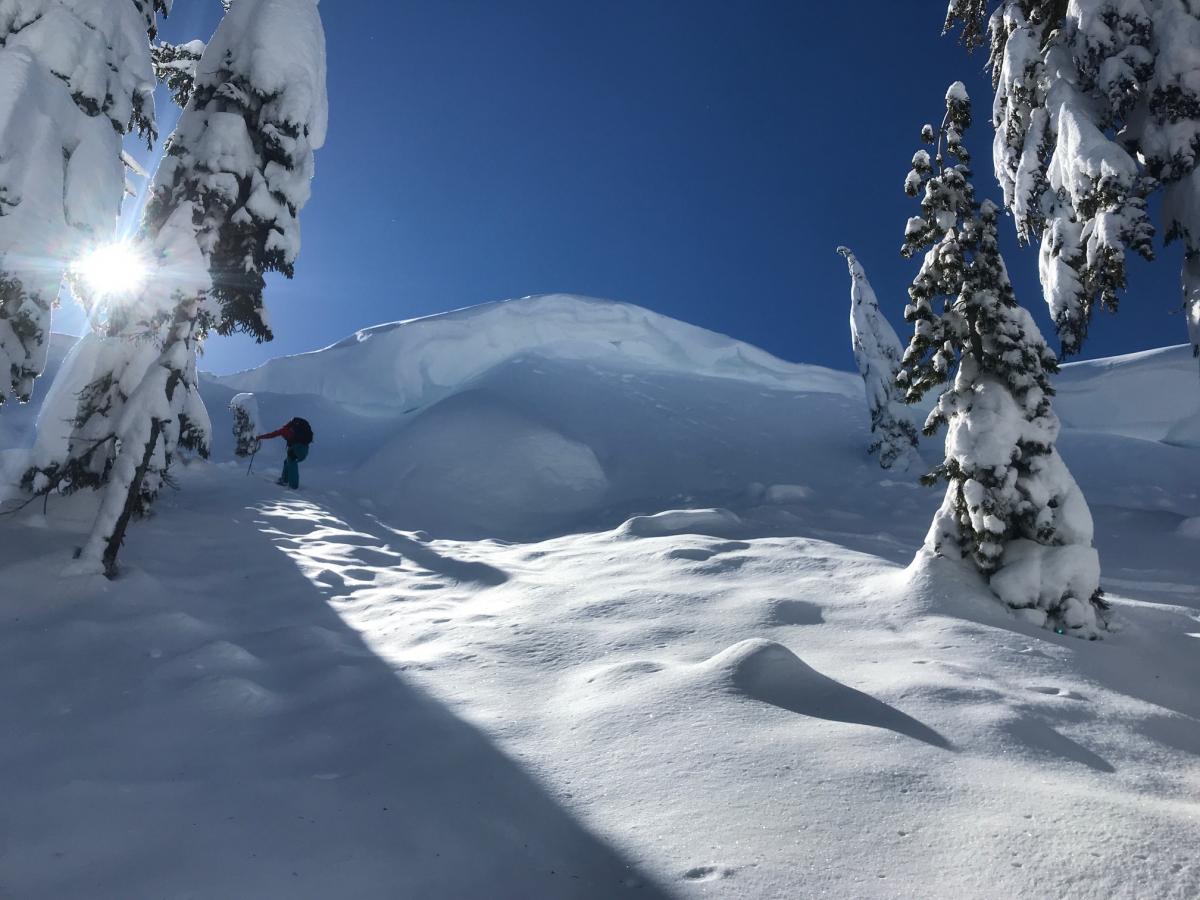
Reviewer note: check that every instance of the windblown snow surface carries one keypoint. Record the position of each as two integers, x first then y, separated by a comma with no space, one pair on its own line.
579,601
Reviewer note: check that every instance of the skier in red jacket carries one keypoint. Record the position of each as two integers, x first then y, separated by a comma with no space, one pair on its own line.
298,435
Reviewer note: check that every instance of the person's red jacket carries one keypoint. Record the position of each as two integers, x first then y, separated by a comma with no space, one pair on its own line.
286,432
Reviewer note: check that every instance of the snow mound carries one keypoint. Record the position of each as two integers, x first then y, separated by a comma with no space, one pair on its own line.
715,522
769,672
411,364
443,473
1185,432
1190,527
786,493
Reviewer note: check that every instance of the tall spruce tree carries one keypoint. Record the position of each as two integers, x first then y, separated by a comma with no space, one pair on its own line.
236,173
1011,509
1097,108
77,77
878,351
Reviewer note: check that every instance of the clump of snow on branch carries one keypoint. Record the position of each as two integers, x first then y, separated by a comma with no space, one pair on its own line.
175,66
878,351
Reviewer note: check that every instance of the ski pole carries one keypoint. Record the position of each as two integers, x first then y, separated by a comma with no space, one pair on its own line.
252,455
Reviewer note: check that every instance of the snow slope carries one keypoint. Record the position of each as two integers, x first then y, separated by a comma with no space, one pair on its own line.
532,417
411,364
594,620
1145,395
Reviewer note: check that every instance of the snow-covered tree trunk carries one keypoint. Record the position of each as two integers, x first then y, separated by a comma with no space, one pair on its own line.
74,78
878,351
1011,507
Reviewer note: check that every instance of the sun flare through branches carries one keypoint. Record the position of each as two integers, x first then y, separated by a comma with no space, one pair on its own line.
113,269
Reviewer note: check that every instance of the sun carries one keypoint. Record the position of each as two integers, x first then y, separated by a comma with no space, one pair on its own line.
113,269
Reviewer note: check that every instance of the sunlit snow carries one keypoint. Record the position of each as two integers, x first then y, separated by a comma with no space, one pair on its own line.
579,601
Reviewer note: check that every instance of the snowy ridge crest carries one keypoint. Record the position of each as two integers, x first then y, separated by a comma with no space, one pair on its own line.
419,361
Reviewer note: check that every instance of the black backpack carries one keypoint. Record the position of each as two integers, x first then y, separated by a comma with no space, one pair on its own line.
301,430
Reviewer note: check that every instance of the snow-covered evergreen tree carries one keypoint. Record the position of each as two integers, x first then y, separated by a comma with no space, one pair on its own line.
878,351
236,173
74,78
1097,107
1011,507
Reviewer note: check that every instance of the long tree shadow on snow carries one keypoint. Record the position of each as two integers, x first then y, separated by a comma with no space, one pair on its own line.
232,737
470,571
374,541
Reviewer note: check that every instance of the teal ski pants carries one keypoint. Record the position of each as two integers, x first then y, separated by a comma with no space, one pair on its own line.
291,464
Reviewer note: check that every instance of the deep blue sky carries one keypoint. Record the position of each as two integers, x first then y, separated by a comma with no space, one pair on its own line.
702,159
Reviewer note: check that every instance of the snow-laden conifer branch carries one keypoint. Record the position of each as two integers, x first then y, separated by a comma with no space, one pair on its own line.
1097,108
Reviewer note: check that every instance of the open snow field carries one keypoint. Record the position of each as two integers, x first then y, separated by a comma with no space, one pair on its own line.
577,601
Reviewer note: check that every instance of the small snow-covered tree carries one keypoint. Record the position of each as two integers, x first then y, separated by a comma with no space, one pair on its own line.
76,77
235,175
878,351
245,424
1097,108
1011,508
